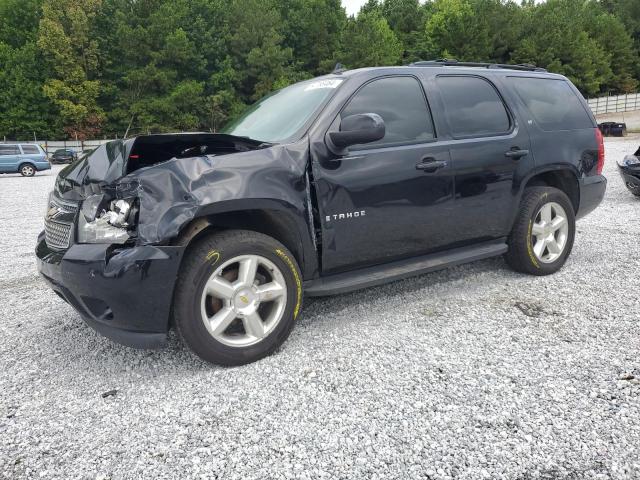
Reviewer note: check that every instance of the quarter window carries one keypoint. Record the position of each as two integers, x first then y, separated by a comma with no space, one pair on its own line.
401,104
472,106
30,149
552,103
9,150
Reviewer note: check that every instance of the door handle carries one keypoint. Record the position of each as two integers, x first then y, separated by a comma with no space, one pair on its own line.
516,153
430,164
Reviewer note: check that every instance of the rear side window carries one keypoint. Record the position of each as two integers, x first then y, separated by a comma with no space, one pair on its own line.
9,150
552,103
472,106
401,104
30,149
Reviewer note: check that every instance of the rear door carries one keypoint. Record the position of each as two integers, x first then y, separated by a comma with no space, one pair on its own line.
490,153
391,198
32,153
9,158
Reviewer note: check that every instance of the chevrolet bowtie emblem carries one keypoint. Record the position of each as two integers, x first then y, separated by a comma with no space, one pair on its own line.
53,211
244,299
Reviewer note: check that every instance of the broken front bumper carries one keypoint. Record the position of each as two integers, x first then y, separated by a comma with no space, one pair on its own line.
629,169
123,293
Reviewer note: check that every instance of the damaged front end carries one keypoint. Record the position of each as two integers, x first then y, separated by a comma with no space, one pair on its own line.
629,168
108,247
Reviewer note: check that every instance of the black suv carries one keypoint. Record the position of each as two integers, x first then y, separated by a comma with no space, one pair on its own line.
63,155
332,184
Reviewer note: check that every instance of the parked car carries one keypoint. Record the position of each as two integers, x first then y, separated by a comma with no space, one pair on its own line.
63,155
333,184
629,168
613,129
23,158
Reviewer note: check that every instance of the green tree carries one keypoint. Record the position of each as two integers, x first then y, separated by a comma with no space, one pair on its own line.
24,109
407,19
555,38
65,40
612,36
19,21
454,31
368,41
312,32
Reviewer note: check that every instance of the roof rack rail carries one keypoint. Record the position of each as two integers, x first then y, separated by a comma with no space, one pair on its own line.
450,62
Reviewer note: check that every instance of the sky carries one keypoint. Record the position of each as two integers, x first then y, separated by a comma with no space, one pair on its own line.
353,6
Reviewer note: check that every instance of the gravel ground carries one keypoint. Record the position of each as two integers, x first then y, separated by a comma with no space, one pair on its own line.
474,372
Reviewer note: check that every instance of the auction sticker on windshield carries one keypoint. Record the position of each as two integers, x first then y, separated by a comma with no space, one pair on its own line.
331,83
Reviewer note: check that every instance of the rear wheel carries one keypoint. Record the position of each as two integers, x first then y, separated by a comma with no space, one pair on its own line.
27,170
543,234
237,297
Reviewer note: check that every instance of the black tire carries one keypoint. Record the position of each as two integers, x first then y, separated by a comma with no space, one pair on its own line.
520,255
27,170
200,262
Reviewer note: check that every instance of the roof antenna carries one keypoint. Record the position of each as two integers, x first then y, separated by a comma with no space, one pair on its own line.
338,69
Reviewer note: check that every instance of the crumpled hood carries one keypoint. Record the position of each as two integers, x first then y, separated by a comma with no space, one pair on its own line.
112,161
89,173
176,179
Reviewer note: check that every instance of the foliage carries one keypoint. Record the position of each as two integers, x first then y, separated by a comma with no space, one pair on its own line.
122,67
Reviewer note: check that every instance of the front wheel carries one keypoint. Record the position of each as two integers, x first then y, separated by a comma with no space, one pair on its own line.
543,234
237,297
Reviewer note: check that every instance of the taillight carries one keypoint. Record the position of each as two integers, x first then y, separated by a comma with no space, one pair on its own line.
600,140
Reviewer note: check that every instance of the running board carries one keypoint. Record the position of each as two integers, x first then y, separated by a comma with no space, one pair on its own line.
379,274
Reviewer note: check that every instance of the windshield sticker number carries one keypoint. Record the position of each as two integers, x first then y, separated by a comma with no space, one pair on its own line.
333,83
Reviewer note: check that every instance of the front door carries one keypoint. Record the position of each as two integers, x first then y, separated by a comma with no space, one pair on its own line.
9,158
392,198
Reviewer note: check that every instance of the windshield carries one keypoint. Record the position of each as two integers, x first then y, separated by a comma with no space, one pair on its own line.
281,114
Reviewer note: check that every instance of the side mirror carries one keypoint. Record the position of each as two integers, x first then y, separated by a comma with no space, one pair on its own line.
354,130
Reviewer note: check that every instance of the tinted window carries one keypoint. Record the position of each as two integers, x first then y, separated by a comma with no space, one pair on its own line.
9,150
552,103
29,149
401,104
472,106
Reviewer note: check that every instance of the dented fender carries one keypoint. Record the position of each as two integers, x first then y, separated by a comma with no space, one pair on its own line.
175,192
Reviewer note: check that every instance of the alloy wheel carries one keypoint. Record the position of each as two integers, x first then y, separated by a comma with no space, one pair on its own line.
243,300
550,231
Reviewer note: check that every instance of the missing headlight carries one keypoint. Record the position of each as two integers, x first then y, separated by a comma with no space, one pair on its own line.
110,226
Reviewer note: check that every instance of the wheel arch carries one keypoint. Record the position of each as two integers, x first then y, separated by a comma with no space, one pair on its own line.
562,177
281,222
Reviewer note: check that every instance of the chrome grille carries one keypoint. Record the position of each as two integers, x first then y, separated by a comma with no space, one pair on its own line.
57,235
58,222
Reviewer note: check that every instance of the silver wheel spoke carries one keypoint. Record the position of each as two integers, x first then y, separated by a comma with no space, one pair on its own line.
247,271
220,288
537,229
545,213
553,247
270,291
253,325
538,248
558,222
221,320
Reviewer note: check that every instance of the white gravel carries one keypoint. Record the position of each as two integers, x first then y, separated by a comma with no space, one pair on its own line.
474,372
